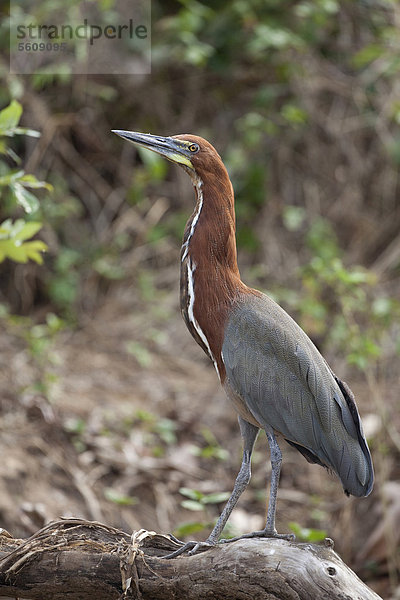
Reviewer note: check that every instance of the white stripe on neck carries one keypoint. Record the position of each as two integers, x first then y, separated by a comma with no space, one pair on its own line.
191,267
185,247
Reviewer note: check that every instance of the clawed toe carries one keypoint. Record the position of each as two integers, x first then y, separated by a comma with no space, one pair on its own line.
290,537
262,534
184,548
191,548
201,547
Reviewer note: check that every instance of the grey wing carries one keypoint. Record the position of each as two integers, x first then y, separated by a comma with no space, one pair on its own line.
276,370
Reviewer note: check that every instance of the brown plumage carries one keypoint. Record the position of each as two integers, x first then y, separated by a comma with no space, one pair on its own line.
273,374
212,250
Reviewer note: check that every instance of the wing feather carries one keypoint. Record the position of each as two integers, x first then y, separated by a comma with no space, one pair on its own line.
285,383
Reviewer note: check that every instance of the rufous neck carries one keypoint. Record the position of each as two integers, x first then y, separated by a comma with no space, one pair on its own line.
209,239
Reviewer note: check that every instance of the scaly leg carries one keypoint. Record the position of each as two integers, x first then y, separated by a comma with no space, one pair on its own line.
249,434
276,461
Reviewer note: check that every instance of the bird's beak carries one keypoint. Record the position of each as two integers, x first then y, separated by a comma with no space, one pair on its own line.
173,149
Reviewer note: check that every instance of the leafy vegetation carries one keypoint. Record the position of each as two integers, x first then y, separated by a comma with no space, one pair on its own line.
306,534
13,242
338,304
14,190
197,501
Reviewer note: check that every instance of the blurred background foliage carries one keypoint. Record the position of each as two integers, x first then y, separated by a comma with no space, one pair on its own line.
301,99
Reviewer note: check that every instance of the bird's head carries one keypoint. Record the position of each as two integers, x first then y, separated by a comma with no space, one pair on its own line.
193,153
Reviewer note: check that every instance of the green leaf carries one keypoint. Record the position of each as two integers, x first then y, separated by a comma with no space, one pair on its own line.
118,498
383,306
210,452
144,415
307,534
166,429
27,131
216,498
27,230
192,505
34,249
75,425
109,268
192,494
10,152
140,352
54,323
6,227
293,217
189,529
28,201
9,117
8,249
265,37
367,55
63,289
28,180
294,114
22,252
13,246
11,177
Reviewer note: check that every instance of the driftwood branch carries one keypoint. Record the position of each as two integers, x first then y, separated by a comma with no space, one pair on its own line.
85,560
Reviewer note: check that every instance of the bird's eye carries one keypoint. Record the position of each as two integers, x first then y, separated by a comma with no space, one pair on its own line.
194,148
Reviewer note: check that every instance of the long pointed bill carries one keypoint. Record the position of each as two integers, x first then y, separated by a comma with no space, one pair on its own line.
175,150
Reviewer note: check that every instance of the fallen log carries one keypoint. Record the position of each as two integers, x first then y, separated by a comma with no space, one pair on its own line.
78,559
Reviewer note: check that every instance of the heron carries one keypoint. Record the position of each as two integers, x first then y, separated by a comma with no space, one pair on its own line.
271,371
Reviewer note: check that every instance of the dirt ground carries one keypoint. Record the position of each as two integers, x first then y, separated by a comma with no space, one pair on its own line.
116,417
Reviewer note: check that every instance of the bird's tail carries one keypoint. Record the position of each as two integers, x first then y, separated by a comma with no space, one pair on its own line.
354,465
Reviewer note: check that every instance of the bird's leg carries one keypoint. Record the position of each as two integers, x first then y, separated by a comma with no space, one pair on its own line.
276,461
249,434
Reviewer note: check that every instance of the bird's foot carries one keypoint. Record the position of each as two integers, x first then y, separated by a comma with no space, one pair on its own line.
194,547
190,547
264,533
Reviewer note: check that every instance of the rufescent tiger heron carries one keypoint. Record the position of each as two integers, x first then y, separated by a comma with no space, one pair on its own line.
271,371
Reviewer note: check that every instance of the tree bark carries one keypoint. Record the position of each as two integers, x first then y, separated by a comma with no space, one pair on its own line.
82,560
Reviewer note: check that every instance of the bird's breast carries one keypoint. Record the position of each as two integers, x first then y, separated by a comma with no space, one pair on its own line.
197,317
208,294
